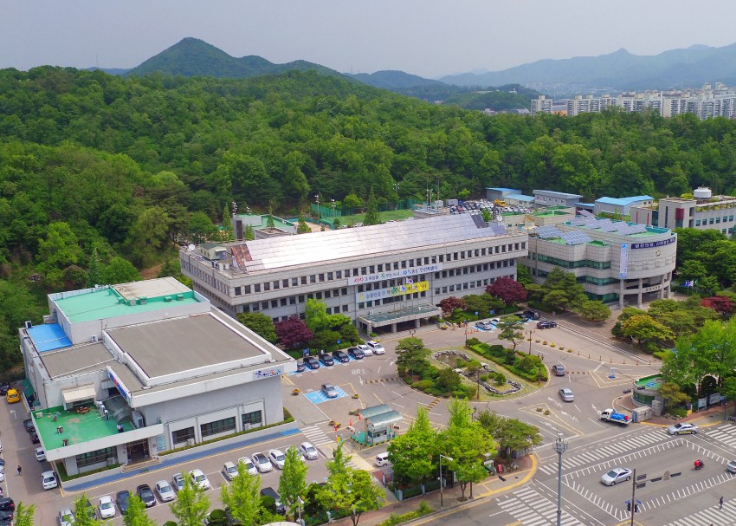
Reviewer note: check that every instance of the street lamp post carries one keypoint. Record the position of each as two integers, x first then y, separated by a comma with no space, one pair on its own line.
442,481
560,447
530,342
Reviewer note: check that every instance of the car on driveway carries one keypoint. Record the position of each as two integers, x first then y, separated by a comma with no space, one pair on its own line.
529,315
277,458
329,390
48,480
327,359
145,493
66,517
312,362
566,395
178,481
4,387
106,507
309,451
263,465
249,466
164,491
123,500
199,478
34,438
341,356
356,353
546,324
40,454
367,351
377,347
615,476
485,325
683,428
28,425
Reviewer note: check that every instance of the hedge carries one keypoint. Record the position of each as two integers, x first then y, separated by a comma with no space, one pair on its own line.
508,358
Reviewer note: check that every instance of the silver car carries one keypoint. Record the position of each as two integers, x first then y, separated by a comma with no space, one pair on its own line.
615,476
165,491
329,390
566,395
309,451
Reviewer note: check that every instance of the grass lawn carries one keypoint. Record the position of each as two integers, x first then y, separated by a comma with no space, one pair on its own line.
396,215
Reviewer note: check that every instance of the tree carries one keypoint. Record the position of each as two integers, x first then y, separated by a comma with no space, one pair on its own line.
119,270
200,227
672,395
315,316
643,328
149,234
562,291
352,201
448,380
510,433
23,515
293,333
448,305
293,481
302,226
191,505
94,272
594,310
259,323
412,356
509,290
511,329
339,463
723,305
242,497
137,514
84,513
371,214
411,453
248,234
486,215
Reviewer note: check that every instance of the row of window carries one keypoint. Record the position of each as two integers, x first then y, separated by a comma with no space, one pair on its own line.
96,457
293,300
374,269
714,220
589,263
226,425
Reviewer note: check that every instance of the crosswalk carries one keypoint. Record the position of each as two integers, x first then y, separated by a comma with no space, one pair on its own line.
530,508
587,458
327,445
710,516
725,433
316,436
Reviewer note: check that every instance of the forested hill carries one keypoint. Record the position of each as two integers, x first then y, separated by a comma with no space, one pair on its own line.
128,165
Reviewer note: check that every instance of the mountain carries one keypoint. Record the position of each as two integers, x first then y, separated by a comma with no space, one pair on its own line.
619,70
195,58
391,79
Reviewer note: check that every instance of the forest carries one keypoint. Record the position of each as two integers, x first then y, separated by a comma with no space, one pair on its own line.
101,176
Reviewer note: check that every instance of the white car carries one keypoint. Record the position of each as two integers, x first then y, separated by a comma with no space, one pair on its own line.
377,347
230,470
731,466
249,466
263,465
40,454
66,517
199,478
367,351
106,507
178,480
615,476
277,458
309,451
683,428
165,491
48,480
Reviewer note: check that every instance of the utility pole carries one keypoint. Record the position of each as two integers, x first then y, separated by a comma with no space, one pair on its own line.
633,497
560,447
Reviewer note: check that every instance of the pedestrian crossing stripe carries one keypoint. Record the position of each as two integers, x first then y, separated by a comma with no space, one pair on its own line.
532,509
711,515
316,436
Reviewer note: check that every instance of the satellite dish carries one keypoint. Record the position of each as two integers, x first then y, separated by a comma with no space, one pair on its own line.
191,247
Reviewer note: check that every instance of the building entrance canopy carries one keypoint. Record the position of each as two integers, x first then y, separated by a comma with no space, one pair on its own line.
77,394
415,312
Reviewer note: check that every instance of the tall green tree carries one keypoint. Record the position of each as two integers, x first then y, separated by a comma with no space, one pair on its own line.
94,272
119,270
512,329
242,497
23,515
562,291
293,482
84,513
302,226
259,323
411,453
137,515
371,214
192,504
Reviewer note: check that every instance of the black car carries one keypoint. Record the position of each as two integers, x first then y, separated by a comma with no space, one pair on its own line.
28,424
312,362
270,492
4,386
6,517
341,356
530,315
546,324
327,360
123,500
7,504
301,367
356,353
34,438
145,493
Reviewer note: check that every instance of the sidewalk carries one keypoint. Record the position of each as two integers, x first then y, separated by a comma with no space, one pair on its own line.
704,418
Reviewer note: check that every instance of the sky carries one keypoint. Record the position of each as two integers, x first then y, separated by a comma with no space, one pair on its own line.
430,38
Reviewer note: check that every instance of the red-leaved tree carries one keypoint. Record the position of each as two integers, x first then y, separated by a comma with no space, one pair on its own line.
448,305
509,290
293,333
721,304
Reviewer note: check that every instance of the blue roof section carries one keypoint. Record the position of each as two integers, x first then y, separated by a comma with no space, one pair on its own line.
520,197
48,337
623,201
500,189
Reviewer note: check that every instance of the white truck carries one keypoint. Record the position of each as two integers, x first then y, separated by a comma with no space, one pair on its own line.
610,415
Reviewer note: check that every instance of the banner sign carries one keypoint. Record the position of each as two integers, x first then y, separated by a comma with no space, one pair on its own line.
393,274
399,290
653,244
260,374
624,261
124,391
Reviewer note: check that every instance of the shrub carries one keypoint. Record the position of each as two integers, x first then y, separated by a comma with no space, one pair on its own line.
679,412
472,342
483,377
460,363
423,385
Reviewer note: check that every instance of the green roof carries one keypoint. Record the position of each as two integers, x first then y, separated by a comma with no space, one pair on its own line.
77,427
106,302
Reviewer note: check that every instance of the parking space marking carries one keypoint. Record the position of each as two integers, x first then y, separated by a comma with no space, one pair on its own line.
318,397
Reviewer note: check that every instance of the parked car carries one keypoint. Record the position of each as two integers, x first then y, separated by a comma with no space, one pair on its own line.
230,470
106,507
145,493
309,451
615,476
164,491
356,353
34,438
4,388
48,480
312,362
329,390
178,481
7,504
546,324
270,492
327,360
277,458
731,466
249,466
683,428
28,424
530,315
566,395
377,347
485,325
341,356
301,366
558,369
123,500
263,465
40,454
66,517
367,351
200,479
382,459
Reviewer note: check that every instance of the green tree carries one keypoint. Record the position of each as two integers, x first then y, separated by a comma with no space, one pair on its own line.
643,329
512,328
293,481
302,226
412,355
149,234
371,215
594,310
411,453
242,497
200,227
510,433
562,291
316,317
119,270
672,395
352,201
486,215
137,515
248,234
84,513
94,272
192,504
259,323
23,515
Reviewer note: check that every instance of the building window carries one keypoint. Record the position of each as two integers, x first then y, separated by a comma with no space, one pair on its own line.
283,302
301,298
225,425
328,294
182,435
321,278
264,305
257,287
274,304
95,457
276,285
344,308
285,283
330,276
246,289
237,291
292,300
312,279
294,282
252,419
344,291
304,280
338,274
266,286
372,269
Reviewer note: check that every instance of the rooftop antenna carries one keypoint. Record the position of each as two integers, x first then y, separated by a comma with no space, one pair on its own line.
97,62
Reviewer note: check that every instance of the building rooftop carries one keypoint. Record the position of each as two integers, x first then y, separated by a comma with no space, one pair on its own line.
183,344
87,357
122,300
501,189
551,193
77,427
623,201
520,197
48,337
354,243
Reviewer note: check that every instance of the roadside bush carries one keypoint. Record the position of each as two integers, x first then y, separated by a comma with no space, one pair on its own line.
513,361
460,363
678,412
499,378
484,377
423,385
472,342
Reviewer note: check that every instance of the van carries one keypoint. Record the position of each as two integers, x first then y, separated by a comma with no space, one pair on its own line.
382,459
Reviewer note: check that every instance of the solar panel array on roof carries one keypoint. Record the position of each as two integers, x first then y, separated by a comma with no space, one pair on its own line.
575,238
548,232
499,229
606,225
478,220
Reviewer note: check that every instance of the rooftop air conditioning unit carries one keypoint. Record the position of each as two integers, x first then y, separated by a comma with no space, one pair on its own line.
180,297
167,299
142,300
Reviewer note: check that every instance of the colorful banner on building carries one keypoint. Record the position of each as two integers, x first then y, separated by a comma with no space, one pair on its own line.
624,261
394,274
399,290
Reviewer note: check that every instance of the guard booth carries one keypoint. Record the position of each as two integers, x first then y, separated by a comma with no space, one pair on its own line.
379,425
